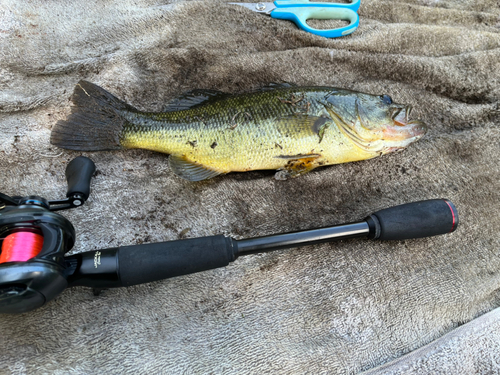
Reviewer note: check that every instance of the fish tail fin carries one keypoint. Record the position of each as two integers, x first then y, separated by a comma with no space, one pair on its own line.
95,122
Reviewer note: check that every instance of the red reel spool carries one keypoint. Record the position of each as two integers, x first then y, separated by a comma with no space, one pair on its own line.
21,246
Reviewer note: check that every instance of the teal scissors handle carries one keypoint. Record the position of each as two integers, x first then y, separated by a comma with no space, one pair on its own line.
299,11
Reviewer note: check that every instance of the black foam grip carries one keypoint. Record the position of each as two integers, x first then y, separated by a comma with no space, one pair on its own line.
151,262
414,220
78,174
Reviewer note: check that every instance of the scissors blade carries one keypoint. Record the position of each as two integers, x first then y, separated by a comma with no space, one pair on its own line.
258,7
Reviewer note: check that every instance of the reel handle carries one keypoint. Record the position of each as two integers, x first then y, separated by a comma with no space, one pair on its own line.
78,174
413,220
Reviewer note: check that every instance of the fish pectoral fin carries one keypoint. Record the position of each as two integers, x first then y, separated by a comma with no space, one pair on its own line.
190,170
194,98
297,165
301,125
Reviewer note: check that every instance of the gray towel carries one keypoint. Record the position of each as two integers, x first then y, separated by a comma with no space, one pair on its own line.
343,307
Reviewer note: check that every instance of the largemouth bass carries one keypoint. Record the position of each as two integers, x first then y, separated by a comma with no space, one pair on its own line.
207,133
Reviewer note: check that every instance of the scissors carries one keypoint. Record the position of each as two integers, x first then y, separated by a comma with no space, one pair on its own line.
299,11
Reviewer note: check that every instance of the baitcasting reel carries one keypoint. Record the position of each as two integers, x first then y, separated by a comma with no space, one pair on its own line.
34,241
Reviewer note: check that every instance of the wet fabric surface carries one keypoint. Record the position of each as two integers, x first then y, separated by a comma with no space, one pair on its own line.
342,307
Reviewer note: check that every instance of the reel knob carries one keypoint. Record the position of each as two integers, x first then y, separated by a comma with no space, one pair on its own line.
79,172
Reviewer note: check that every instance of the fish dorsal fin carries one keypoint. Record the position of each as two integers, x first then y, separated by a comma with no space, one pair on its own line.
303,125
193,99
190,170
275,85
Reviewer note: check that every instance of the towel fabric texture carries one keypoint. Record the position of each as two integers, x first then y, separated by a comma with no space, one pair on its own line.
401,307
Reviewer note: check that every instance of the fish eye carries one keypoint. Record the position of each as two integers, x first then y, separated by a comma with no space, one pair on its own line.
386,99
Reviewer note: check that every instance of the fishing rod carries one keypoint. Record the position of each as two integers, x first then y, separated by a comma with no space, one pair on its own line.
34,240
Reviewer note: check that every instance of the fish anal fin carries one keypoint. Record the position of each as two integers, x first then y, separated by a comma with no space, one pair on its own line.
190,170
193,99
297,165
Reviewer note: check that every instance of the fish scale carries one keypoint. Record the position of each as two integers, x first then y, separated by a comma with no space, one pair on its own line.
206,133
253,142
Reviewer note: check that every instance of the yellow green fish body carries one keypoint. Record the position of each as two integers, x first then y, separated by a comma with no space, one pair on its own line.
207,133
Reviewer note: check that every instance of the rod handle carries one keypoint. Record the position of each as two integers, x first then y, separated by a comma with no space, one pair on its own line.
156,261
414,220
78,174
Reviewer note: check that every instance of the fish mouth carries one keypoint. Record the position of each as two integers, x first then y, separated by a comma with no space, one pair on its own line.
395,135
403,128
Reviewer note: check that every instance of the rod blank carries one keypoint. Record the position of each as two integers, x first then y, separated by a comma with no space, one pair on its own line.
307,237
